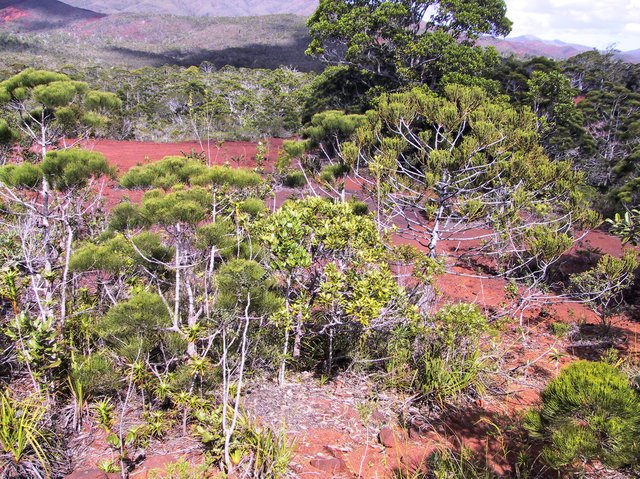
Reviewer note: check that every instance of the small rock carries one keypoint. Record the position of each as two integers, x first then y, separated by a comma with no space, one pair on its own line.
387,437
332,465
87,474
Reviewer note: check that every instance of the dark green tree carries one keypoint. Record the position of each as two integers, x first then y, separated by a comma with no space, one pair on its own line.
408,41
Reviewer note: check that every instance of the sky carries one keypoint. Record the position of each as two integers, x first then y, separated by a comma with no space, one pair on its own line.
594,23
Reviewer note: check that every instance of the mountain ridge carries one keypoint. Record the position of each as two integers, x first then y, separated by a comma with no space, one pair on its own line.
199,8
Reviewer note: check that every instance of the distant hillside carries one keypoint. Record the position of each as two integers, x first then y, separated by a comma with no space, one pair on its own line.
632,56
529,45
133,40
35,15
200,8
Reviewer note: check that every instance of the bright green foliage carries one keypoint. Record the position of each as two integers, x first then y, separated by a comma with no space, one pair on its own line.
301,231
7,135
38,345
63,170
269,452
589,412
117,254
219,235
24,442
389,38
603,286
295,179
329,127
165,174
359,295
50,105
24,175
333,273
66,169
58,93
97,375
443,359
184,206
252,206
627,227
135,327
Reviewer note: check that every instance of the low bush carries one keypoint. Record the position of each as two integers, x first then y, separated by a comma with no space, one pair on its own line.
589,412
295,179
442,358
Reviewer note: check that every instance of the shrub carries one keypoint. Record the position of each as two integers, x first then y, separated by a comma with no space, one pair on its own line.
359,208
589,412
26,450
97,375
559,329
135,326
447,464
295,179
442,359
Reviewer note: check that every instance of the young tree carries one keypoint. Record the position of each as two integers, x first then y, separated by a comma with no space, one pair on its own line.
333,273
48,105
603,287
50,206
589,413
468,168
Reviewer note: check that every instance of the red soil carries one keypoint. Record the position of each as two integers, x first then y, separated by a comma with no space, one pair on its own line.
126,154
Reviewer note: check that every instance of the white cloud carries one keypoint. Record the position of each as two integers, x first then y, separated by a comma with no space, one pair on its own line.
597,23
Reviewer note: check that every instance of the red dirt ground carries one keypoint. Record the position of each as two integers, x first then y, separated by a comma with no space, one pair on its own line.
330,427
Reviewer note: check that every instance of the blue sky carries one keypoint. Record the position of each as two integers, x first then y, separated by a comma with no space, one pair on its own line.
597,23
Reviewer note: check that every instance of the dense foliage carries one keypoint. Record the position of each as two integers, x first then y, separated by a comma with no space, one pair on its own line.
589,412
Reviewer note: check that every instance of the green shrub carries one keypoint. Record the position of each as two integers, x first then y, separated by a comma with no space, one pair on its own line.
560,329
442,359
252,206
589,412
359,208
295,179
25,446
182,469
135,326
97,375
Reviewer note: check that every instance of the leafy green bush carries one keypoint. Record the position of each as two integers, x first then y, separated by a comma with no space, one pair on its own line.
135,326
589,412
560,329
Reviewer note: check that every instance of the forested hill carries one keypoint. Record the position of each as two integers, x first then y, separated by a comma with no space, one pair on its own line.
198,8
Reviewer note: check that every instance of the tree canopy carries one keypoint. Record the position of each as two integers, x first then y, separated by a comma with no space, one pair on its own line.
407,41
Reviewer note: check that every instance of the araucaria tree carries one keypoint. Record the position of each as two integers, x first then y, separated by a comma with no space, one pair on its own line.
46,106
406,41
467,168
